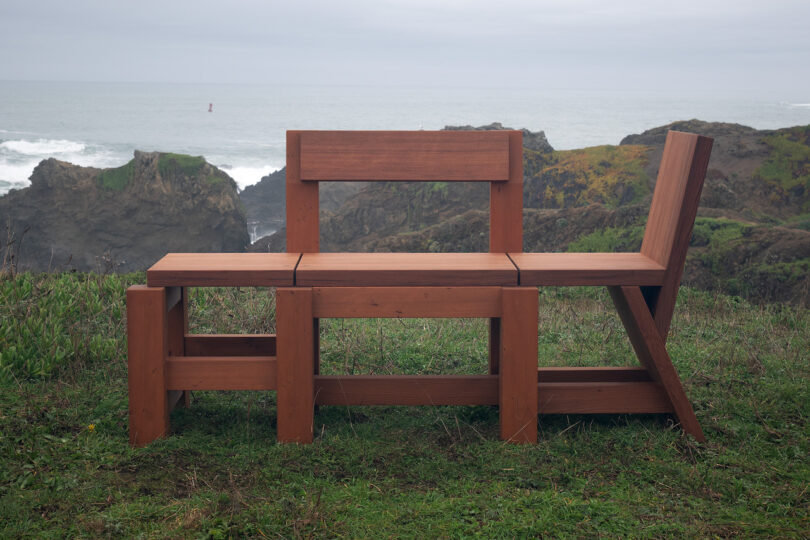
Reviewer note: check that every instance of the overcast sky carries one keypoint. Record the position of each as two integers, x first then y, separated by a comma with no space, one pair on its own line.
728,45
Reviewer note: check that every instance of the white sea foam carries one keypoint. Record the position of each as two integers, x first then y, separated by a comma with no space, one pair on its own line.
43,147
801,105
18,158
246,176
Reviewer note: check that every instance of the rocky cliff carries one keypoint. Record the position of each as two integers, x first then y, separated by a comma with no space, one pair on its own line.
125,218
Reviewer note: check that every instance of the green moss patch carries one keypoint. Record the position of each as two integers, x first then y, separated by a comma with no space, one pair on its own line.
117,179
180,163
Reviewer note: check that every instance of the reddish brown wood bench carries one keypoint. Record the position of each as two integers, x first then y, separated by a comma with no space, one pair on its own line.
338,285
644,287
164,360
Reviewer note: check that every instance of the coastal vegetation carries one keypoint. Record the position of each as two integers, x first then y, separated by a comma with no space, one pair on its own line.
609,175
66,468
788,164
117,179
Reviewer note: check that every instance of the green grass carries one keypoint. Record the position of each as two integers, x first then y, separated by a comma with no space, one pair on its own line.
609,239
410,472
169,163
117,179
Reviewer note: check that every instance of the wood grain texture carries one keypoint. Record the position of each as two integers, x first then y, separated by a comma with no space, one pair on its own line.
230,345
405,269
147,346
302,202
494,343
602,398
223,270
652,352
177,321
506,203
517,375
557,269
406,302
406,390
592,374
444,156
295,360
672,215
221,373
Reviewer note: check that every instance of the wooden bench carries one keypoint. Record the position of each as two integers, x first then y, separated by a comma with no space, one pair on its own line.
644,287
165,361
410,284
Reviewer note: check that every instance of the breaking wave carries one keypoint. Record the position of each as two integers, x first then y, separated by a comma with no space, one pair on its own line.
43,147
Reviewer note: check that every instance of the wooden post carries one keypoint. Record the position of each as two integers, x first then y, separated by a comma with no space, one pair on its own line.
177,324
146,356
518,367
494,345
295,360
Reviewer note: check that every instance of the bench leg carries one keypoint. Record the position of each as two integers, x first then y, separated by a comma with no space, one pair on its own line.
652,353
494,345
177,324
146,355
517,377
295,353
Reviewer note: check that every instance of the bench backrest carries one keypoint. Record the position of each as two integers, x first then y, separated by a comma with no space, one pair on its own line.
410,156
672,215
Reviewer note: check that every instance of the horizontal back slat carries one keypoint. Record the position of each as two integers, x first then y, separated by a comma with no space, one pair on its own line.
405,156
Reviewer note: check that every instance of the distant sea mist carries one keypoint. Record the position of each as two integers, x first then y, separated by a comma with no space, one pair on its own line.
101,124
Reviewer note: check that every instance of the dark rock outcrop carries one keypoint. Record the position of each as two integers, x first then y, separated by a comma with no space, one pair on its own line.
265,202
125,219
533,140
758,173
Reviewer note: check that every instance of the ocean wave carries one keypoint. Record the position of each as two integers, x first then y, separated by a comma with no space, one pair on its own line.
801,105
19,158
43,147
246,176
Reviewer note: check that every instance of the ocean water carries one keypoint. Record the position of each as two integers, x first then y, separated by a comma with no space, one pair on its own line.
101,124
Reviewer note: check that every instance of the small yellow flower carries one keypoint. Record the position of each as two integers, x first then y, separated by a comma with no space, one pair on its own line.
91,428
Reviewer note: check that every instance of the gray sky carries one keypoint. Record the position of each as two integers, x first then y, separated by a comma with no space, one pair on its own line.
734,46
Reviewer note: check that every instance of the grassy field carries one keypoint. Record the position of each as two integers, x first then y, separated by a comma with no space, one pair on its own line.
66,469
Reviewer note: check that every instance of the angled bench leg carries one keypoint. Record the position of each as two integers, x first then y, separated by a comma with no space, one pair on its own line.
147,338
295,353
652,353
517,378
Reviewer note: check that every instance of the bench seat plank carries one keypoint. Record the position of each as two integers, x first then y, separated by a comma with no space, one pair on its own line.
223,270
587,269
405,269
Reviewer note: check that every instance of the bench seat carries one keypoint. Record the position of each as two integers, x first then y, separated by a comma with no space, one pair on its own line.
224,270
405,269
587,269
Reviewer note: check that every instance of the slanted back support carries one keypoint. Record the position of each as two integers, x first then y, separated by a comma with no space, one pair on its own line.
675,200
672,216
420,156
